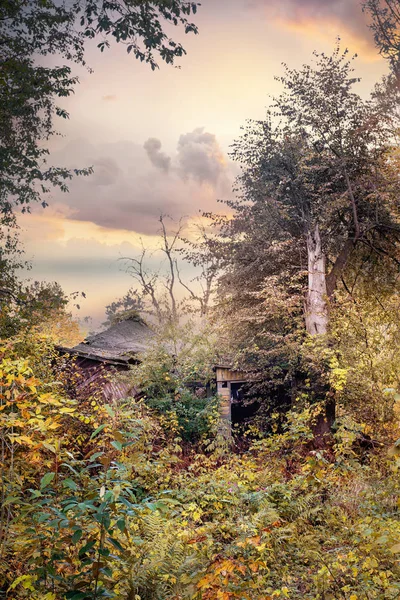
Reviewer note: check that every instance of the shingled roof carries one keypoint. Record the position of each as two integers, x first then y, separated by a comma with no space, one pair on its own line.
117,345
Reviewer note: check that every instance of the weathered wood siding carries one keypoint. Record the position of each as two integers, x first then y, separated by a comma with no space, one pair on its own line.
90,377
224,378
115,390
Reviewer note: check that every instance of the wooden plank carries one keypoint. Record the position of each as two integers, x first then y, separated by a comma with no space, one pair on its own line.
229,375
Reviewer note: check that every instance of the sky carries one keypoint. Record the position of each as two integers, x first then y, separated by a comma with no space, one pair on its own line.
159,141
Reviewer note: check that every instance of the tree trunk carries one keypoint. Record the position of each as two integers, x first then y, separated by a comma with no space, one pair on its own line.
317,320
316,307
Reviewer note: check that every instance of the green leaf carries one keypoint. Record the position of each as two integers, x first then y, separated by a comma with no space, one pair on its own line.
97,431
70,484
95,456
76,536
74,595
121,525
116,544
46,479
117,445
11,500
107,407
86,548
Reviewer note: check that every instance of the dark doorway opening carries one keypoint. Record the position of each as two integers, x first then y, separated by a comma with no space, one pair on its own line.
243,407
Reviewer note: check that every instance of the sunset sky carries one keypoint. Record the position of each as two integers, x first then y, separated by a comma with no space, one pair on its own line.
158,141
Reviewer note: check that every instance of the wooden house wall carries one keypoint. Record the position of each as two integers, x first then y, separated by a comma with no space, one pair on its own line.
115,390
94,378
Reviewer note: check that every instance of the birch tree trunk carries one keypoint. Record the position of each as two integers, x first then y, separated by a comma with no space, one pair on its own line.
317,320
316,307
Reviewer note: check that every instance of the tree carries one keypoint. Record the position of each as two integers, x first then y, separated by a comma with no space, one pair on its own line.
31,31
131,302
157,291
365,330
316,190
200,251
39,306
385,15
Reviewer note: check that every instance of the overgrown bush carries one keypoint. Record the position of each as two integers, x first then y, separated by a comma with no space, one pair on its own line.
111,507
186,414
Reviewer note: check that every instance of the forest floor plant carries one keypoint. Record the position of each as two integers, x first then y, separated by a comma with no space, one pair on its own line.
114,508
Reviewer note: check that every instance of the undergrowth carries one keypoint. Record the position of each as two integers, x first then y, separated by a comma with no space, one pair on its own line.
116,504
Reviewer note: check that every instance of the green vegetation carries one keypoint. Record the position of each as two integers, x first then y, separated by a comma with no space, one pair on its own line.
146,497
112,506
33,30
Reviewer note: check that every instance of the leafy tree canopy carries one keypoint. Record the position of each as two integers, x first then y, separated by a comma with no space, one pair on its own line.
385,15
32,31
316,209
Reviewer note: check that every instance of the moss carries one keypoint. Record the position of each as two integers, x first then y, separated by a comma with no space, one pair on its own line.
128,315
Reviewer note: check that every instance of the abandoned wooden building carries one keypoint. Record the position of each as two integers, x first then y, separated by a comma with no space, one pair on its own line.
95,362
101,356
230,387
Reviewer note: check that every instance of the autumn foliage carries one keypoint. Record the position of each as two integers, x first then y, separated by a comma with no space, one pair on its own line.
112,505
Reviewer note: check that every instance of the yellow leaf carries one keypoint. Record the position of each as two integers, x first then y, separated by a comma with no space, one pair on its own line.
50,447
23,439
66,411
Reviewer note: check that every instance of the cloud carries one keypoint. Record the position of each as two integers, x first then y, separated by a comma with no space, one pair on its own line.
158,159
342,15
106,171
200,156
79,237
44,226
125,192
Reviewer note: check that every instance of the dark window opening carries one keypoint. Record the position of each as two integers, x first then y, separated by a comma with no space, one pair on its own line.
242,407
224,384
